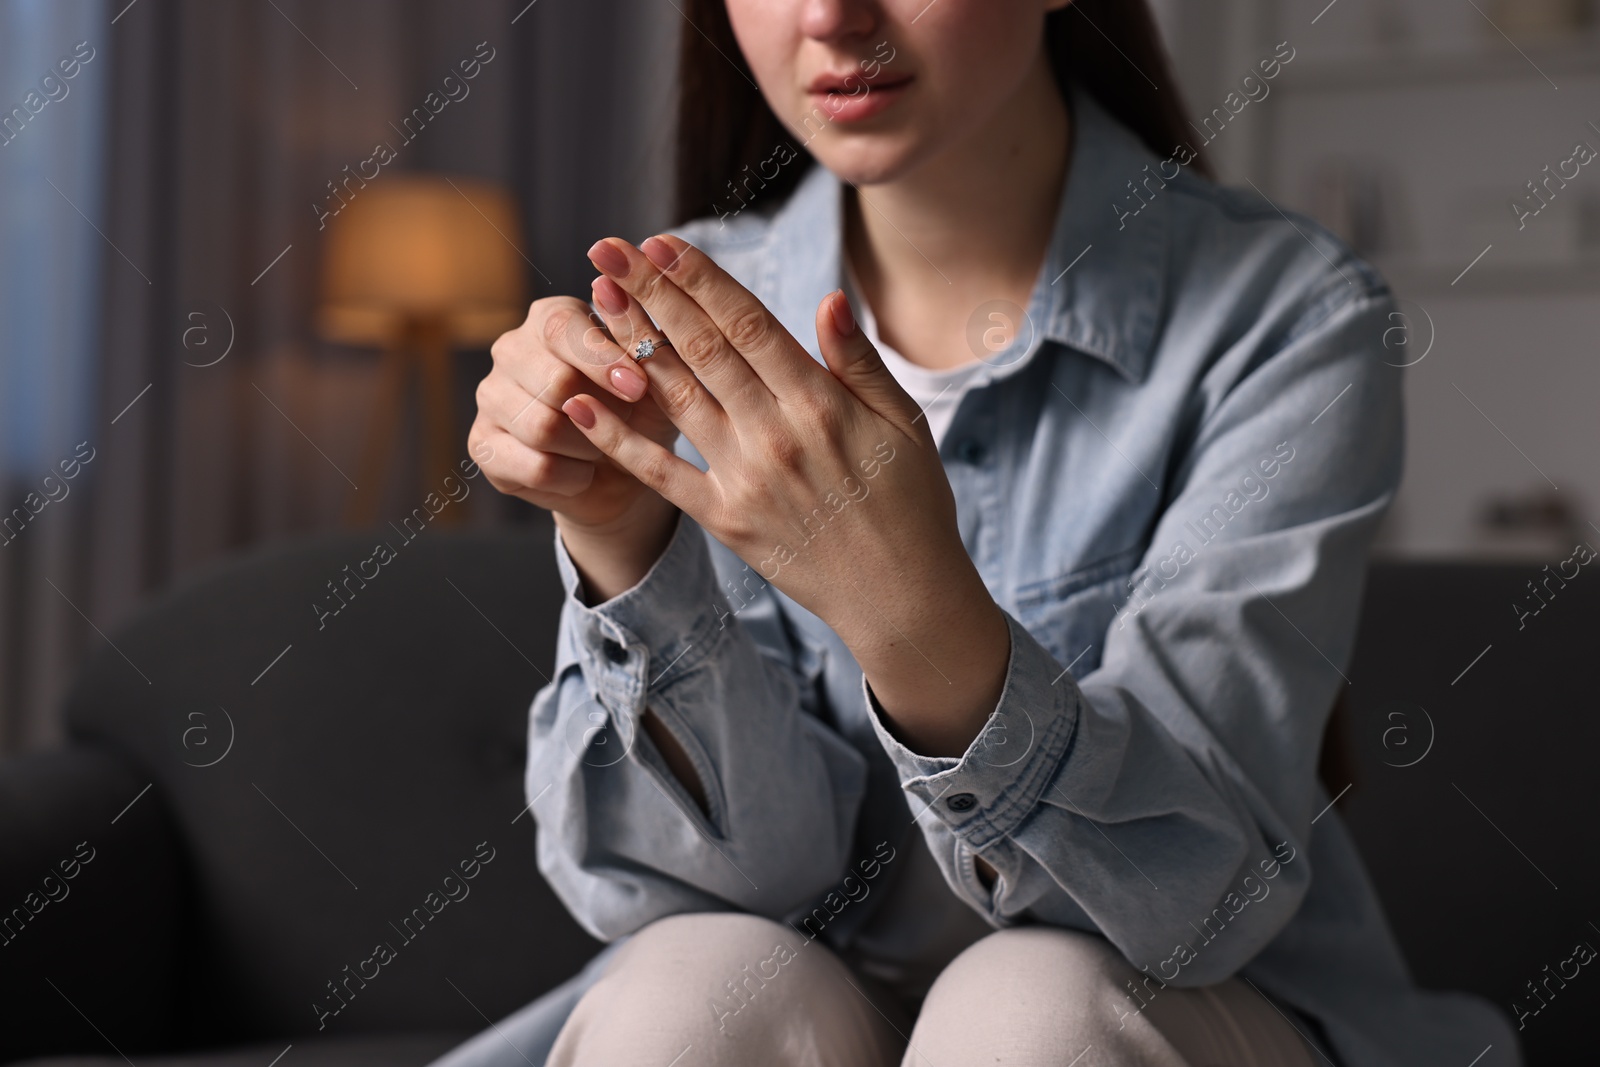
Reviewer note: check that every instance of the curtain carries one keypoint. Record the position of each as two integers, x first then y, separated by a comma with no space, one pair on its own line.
217,418
53,82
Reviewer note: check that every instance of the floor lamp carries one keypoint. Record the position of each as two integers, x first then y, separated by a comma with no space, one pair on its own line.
419,266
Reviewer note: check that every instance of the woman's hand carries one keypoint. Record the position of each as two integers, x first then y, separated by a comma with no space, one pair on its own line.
614,526
825,480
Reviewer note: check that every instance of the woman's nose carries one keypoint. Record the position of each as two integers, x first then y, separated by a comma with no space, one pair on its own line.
830,20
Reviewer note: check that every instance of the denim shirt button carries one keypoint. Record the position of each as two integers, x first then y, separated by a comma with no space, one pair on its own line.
962,802
614,652
970,450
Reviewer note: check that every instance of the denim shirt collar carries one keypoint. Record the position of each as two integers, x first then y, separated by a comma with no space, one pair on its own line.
1105,304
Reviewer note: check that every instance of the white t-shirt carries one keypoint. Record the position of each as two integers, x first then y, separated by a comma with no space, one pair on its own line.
937,392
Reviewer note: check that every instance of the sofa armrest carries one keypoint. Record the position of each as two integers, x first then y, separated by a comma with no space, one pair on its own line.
92,891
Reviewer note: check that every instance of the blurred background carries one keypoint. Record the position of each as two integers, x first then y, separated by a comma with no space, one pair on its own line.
253,254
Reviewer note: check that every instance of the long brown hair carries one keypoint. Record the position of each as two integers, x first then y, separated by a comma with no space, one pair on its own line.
728,138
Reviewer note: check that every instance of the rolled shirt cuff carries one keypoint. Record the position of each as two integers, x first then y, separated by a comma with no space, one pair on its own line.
640,638
986,792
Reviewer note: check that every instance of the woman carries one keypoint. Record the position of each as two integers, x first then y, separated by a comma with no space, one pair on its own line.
953,694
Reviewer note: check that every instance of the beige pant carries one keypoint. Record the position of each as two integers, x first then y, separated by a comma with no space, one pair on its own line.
708,990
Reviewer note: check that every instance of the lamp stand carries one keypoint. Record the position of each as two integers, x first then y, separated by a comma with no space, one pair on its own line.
420,347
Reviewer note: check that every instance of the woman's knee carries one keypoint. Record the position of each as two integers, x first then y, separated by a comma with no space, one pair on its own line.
738,988
1035,995
1031,963
712,966
724,963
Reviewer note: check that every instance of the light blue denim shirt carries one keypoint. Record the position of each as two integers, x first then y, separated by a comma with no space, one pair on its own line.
1173,502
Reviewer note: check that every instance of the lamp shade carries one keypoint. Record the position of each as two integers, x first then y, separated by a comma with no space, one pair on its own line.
415,247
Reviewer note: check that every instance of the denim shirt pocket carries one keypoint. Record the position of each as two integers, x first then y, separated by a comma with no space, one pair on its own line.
1070,613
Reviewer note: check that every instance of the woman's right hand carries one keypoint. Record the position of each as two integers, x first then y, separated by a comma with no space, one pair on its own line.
613,521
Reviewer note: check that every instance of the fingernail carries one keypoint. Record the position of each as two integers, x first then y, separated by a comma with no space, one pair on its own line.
579,413
629,381
659,252
843,320
609,258
609,295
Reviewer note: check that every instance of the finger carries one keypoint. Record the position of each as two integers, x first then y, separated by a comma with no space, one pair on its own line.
625,317
530,474
738,314
550,376
856,363
675,478
579,339
507,405
682,397
713,358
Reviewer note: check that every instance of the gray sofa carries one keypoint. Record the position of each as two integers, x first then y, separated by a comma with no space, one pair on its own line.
202,875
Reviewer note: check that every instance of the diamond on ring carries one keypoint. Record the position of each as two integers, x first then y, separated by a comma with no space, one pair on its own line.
645,350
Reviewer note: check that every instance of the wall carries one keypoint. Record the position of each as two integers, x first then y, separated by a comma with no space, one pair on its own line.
1427,105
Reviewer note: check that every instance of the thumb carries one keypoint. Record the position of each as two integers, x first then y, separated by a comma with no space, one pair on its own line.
853,359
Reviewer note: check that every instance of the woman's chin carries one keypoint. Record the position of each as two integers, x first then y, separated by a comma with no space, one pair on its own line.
867,163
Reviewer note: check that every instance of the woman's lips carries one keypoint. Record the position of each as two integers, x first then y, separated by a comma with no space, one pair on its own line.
863,102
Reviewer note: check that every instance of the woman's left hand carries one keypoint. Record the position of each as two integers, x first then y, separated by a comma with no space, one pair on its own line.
825,480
